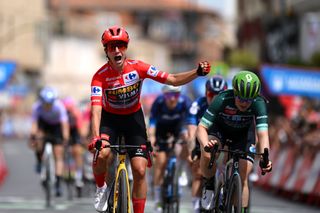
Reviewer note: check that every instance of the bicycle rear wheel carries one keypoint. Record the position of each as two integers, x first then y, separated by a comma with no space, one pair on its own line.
122,193
234,198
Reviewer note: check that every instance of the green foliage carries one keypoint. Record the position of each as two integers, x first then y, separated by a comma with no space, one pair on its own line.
243,58
315,59
296,62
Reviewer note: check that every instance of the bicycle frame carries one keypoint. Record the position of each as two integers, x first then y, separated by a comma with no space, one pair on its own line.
170,186
116,188
47,175
121,166
231,172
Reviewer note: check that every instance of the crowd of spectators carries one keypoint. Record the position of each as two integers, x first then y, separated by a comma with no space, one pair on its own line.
295,145
300,130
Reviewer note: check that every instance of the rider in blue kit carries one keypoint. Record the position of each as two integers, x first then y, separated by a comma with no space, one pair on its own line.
214,86
167,120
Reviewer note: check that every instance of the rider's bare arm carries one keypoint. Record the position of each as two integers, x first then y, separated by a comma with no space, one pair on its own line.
202,135
178,79
182,78
95,119
263,140
65,131
191,136
151,134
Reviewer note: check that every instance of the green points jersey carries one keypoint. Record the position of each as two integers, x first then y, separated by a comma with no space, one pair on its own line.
224,113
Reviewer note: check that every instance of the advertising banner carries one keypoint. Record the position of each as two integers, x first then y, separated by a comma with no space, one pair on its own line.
291,81
7,68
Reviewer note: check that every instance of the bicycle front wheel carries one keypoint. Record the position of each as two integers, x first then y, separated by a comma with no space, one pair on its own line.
234,198
218,200
122,192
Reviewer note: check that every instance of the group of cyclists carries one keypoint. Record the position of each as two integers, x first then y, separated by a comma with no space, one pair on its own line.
60,122
224,114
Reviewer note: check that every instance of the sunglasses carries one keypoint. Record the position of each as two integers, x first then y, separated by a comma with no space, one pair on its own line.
244,100
170,95
111,47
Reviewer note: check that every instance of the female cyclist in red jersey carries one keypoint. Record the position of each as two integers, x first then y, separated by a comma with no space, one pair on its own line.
116,110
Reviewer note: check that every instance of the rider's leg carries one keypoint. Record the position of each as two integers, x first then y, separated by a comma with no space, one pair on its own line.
58,151
204,161
38,150
77,156
139,189
159,168
182,165
245,168
99,173
100,168
209,178
196,184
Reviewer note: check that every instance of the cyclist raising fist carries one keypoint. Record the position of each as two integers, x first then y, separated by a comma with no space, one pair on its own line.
116,109
233,116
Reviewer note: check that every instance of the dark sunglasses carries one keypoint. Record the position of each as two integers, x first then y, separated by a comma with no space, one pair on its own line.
170,95
113,45
244,100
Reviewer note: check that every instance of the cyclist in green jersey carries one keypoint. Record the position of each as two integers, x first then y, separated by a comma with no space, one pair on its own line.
234,119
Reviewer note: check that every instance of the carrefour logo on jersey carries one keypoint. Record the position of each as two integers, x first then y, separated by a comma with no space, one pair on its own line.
152,71
96,91
131,77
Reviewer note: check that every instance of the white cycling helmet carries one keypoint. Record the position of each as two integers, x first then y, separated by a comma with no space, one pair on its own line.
48,95
170,88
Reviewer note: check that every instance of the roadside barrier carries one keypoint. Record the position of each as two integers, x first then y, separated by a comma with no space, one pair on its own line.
295,175
3,168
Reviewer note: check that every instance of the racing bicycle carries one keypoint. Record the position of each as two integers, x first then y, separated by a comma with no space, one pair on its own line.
170,191
47,172
228,188
118,197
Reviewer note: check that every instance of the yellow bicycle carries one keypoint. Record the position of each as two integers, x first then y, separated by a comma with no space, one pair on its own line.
119,199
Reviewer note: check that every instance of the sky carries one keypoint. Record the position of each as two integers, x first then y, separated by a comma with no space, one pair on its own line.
225,7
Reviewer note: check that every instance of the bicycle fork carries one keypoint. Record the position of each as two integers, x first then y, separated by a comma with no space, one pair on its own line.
48,164
121,167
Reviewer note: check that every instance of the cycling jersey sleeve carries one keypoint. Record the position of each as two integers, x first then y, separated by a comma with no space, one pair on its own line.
63,112
149,71
35,112
192,114
210,115
96,90
261,115
154,113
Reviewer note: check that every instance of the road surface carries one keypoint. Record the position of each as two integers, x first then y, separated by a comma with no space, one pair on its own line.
21,192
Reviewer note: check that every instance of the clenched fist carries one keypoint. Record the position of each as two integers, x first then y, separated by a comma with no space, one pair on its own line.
203,68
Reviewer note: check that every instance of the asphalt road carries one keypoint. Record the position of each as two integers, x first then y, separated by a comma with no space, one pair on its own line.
21,192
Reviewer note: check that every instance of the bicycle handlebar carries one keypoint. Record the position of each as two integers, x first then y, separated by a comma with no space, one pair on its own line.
98,147
265,159
213,150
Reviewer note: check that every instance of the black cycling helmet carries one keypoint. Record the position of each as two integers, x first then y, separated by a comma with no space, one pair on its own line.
216,84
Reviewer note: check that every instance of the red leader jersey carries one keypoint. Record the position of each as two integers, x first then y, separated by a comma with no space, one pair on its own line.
119,93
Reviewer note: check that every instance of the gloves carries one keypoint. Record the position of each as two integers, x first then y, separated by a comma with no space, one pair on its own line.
265,167
203,68
92,144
